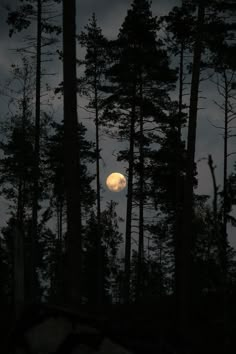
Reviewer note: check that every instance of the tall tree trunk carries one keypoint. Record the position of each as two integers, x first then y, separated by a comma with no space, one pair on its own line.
215,234
56,276
19,271
215,195
72,158
19,266
178,201
59,219
19,246
98,238
141,203
224,236
225,193
128,230
34,234
181,90
185,278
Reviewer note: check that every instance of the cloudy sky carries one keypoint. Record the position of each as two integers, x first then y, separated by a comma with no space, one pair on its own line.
110,15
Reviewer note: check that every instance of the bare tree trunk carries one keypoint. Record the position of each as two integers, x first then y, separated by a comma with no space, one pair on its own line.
185,260
178,202
98,238
34,233
139,286
19,271
215,189
181,89
224,236
129,203
215,232
19,261
19,242
72,158
56,276
225,192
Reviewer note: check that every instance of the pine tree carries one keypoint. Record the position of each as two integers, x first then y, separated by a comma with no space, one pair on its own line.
221,53
162,189
178,22
222,63
204,34
16,181
184,286
19,20
90,85
141,78
72,158
110,241
55,173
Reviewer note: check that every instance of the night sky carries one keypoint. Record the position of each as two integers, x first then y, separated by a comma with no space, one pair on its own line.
110,15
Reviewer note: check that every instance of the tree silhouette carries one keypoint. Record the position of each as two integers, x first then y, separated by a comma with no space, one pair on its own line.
90,85
18,20
141,79
72,158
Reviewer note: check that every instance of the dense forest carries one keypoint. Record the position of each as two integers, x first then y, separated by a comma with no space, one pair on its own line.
168,274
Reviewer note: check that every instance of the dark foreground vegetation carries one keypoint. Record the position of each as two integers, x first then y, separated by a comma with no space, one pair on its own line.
136,329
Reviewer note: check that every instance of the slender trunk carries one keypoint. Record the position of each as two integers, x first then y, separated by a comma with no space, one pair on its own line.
19,251
72,159
215,232
160,270
215,189
224,236
226,103
20,198
98,237
178,201
181,86
34,234
185,279
128,230
19,268
141,204
20,211
56,271
60,220
19,273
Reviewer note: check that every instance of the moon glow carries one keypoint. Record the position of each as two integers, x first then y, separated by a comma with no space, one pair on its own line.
116,182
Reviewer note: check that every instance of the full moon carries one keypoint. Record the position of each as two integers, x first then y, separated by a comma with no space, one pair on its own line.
116,182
